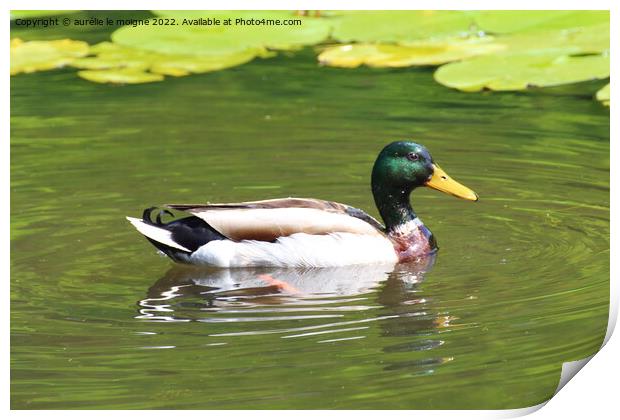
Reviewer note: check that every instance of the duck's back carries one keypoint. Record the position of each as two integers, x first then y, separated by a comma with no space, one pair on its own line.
277,232
269,220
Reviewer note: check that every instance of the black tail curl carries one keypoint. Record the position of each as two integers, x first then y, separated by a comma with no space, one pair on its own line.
190,232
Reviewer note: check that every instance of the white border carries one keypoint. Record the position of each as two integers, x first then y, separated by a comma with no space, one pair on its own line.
311,5
593,394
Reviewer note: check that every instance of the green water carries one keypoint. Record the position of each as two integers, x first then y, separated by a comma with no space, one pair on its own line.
99,320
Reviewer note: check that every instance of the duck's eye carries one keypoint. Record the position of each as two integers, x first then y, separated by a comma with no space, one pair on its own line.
413,156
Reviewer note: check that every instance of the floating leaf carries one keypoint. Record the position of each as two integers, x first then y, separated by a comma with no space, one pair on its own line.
508,21
191,46
582,40
28,57
120,76
398,26
111,57
603,95
199,39
418,53
178,65
518,72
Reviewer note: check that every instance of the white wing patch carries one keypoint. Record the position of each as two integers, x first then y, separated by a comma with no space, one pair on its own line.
298,250
267,224
157,234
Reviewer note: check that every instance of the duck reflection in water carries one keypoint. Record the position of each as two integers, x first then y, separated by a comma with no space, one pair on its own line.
187,293
412,318
222,288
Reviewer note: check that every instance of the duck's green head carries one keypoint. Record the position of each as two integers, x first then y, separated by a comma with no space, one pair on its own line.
405,165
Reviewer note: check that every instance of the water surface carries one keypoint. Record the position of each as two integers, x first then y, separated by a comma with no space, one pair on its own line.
99,320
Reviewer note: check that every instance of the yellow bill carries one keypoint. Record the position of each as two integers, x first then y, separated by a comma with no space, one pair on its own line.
440,181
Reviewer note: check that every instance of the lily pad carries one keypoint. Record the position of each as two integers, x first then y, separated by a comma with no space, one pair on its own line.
419,53
193,38
398,26
180,65
509,21
603,95
108,56
581,40
111,57
120,76
31,56
520,71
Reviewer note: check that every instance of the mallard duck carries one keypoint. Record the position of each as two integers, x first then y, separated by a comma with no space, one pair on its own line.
305,232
